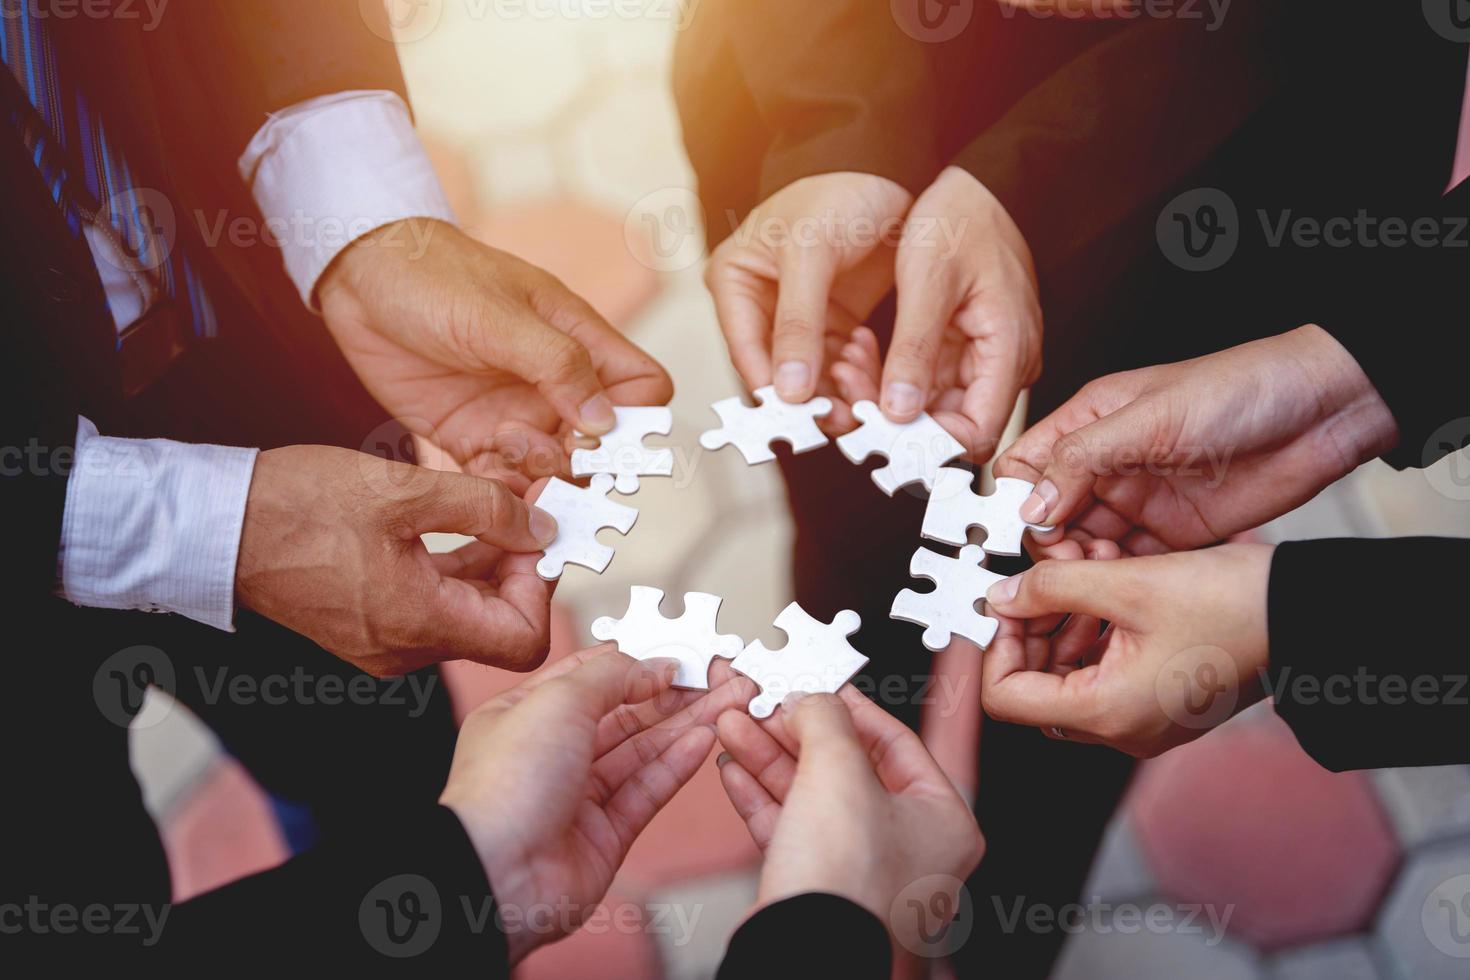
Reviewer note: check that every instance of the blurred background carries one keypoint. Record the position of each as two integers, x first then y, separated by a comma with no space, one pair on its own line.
556,138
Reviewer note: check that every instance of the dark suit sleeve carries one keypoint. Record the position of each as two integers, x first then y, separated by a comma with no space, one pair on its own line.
807,936
1403,311
836,86
411,895
1368,663
1111,130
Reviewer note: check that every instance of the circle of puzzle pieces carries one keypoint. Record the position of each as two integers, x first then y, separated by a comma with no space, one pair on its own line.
817,659
916,451
954,508
621,452
644,634
949,610
752,430
580,513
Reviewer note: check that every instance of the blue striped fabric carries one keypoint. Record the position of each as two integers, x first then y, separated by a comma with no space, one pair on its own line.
87,173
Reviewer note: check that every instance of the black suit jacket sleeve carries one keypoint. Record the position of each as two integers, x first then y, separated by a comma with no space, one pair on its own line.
806,936
1111,130
1366,666
1403,311
411,895
836,86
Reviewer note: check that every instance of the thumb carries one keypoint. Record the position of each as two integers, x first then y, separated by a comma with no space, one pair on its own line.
826,739
483,509
926,304
1081,457
1110,590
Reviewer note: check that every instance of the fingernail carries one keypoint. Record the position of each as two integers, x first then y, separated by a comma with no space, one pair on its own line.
543,526
902,399
596,415
1003,592
792,379
721,759
1040,503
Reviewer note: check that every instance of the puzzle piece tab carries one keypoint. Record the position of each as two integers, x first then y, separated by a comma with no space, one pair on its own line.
752,430
954,508
580,513
817,659
643,634
949,610
916,451
621,452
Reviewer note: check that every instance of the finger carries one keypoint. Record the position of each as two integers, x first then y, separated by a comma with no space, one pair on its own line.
1011,693
755,806
757,752
507,625
475,560
1111,590
745,304
604,682
650,789
896,752
1082,457
990,401
485,509
926,304
801,321
629,374
827,743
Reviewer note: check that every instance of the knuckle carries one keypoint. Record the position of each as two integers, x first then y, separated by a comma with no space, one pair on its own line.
922,348
1045,580
566,361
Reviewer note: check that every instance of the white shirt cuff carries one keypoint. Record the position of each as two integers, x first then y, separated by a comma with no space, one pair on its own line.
154,525
328,171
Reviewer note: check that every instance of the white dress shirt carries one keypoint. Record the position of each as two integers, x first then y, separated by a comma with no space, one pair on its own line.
155,525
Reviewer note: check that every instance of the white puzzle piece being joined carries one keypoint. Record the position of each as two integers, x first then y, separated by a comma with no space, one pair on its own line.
817,659
752,430
954,508
580,513
916,451
644,634
949,610
622,453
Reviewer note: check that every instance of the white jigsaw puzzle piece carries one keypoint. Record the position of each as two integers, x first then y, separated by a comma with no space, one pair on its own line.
949,610
622,453
643,634
580,513
817,659
916,450
954,508
752,430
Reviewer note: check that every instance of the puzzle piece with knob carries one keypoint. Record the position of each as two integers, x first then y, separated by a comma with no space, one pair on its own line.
752,430
644,633
949,610
916,451
817,659
580,513
954,508
621,452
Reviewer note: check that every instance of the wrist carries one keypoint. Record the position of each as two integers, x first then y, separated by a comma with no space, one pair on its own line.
1360,420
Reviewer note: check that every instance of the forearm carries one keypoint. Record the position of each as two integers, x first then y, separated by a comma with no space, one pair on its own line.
1371,684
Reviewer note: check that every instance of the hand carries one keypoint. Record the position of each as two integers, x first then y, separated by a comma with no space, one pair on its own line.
1188,454
805,268
555,780
489,357
331,548
1186,649
967,339
842,798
